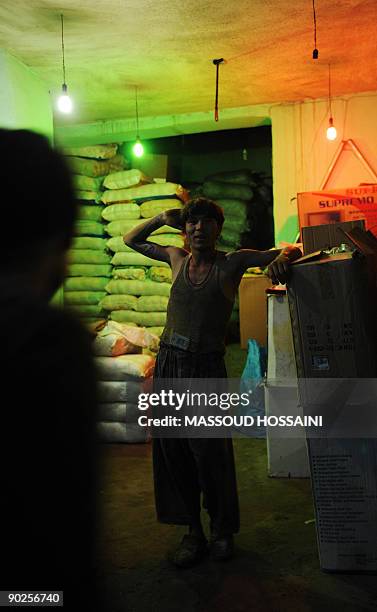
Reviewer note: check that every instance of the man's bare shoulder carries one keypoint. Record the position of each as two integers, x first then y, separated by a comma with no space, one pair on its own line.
176,253
177,256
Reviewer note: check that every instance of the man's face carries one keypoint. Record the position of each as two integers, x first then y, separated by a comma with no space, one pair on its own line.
202,232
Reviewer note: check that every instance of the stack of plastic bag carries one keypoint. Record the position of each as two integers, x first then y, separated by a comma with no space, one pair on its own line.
89,166
133,185
246,199
88,274
89,260
143,302
124,372
130,200
233,191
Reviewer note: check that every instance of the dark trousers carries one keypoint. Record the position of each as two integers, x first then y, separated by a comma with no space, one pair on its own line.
186,468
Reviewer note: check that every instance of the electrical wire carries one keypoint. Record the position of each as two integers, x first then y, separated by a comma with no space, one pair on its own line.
330,109
137,114
62,20
315,50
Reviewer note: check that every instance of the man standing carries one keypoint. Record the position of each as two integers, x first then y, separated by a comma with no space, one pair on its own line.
205,283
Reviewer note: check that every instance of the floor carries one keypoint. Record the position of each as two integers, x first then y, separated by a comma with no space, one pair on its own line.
275,569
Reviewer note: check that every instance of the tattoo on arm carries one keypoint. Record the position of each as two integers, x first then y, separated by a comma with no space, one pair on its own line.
137,240
152,250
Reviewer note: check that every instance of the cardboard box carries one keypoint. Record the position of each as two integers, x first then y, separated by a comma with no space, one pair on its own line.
332,303
338,205
286,457
345,500
333,318
321,237
253,309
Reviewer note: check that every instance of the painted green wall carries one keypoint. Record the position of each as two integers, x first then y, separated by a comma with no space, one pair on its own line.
24,98
25,104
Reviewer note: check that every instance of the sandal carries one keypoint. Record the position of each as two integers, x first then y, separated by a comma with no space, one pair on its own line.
221,548
190,551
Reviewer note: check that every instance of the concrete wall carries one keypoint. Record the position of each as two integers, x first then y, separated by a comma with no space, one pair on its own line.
24,104
24,98
301,153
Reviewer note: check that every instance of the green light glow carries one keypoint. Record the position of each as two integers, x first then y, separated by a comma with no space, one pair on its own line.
138,149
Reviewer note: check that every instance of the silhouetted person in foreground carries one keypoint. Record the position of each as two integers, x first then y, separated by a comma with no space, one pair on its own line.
48,460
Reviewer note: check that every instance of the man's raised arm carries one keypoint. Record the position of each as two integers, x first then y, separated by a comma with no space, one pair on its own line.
137,237
277,260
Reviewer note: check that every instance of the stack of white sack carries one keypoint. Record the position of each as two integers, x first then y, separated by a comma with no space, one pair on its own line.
143,298
83,294
124,372
90,165
133,185
233,191
88,260
246,199
150,199
143,302
88,272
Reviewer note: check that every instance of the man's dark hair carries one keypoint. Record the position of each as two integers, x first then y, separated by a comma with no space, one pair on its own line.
37,195
202,206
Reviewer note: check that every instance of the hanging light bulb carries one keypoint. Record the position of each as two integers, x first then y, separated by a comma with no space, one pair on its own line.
65,104
64,101
331,132
138,149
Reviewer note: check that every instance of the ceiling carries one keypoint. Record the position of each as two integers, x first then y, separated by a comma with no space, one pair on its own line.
166,48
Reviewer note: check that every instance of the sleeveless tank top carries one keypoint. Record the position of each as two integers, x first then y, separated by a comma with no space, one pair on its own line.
197,314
